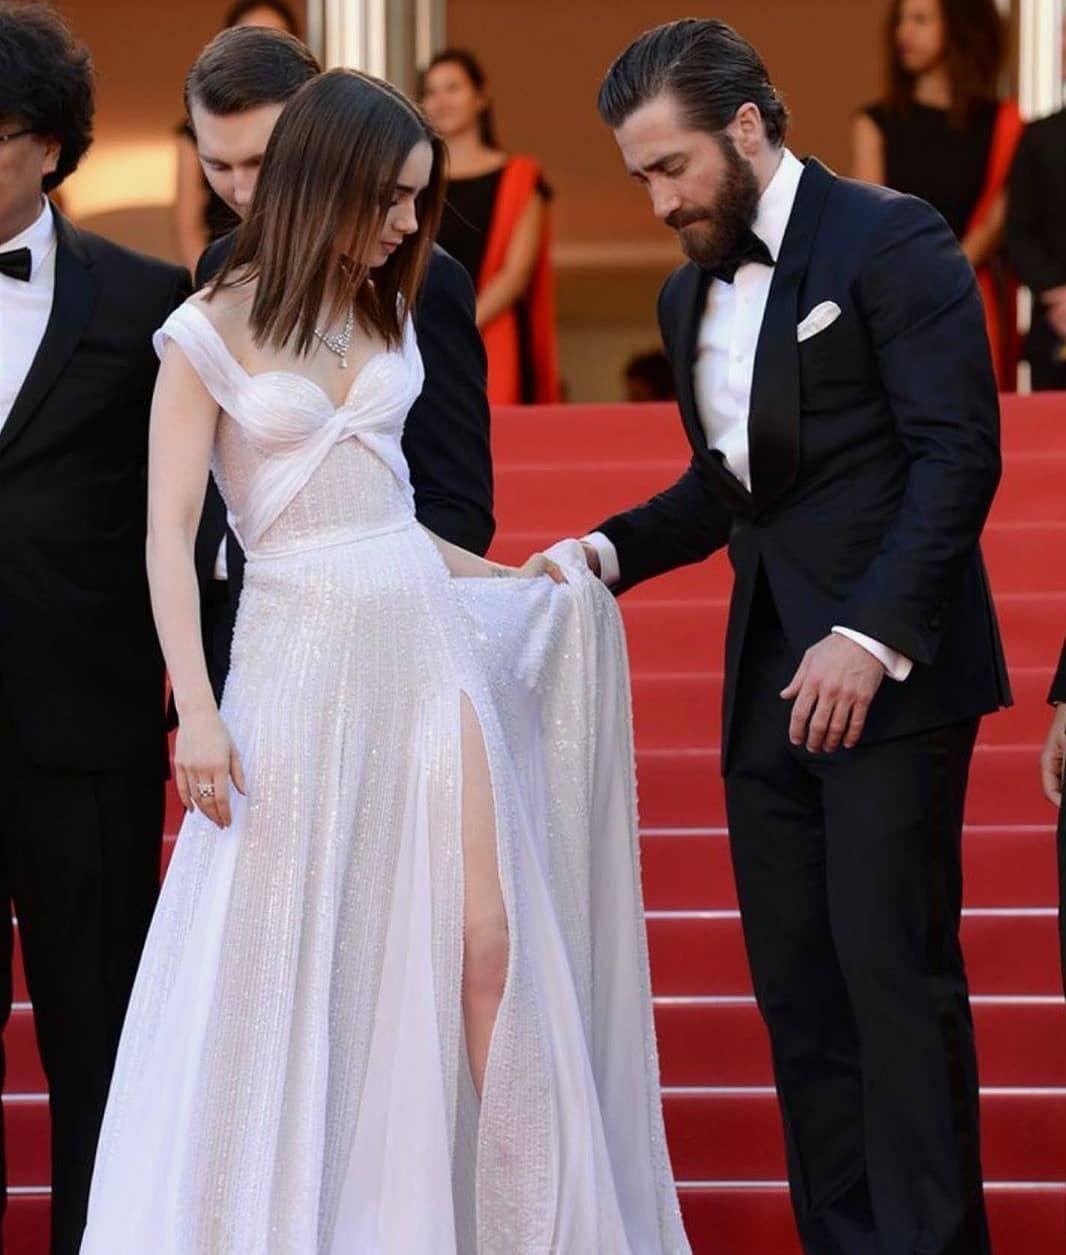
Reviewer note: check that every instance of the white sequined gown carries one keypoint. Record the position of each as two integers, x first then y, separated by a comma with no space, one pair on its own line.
292,1077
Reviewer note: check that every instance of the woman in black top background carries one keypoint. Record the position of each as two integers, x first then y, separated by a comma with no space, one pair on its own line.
496,224
942,133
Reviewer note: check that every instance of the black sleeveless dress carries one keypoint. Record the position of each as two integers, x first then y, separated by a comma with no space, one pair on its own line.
927,155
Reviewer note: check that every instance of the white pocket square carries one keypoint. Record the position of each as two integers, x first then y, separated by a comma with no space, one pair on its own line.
817,320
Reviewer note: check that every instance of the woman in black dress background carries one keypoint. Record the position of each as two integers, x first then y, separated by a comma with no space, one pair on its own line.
942,133
496,225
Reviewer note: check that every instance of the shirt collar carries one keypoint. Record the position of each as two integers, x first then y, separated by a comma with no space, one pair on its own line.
39,237
775,204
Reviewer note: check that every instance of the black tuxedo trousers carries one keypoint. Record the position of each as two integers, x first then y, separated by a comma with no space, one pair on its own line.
1062,892
848,870
79,863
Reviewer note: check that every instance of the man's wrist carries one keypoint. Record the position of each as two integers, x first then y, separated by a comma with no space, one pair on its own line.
895,665
606,557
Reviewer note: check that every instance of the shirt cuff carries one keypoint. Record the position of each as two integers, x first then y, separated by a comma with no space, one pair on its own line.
610,571
896,666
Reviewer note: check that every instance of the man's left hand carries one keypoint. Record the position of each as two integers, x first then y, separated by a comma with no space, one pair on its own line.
831,693
1053,759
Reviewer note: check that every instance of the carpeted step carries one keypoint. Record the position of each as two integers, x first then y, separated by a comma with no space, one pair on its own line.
682,709
1008,951
713,1134
730,1134
683,788
721,1041
569,498
722,1218
564,434
749,1218
1016,555
1005,865
687,635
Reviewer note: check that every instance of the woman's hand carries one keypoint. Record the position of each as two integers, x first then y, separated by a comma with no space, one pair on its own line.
1054,757
538,565
205,761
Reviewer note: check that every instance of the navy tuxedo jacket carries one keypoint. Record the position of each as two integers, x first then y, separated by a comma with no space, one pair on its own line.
874,455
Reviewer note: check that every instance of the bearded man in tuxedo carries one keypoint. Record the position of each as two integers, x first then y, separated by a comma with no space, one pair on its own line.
835,384
82,736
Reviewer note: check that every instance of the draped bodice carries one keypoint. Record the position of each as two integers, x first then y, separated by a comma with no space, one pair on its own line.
295,470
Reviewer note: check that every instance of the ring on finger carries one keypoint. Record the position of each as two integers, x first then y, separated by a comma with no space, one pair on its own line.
204,791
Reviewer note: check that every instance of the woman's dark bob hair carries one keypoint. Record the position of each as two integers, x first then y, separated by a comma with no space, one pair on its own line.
328,179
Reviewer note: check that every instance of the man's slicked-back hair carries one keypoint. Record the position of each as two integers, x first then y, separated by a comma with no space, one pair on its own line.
708,67
248,66
46,82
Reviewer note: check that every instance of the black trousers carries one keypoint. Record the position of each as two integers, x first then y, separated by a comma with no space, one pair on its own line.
1062,892
79,862
848,869
1047,376
218,614
1047,372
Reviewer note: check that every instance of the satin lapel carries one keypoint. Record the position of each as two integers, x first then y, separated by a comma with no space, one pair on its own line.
774,416
72,306
693,302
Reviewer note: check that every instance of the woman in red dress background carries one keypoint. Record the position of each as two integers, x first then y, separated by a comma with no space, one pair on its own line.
496,223
942,133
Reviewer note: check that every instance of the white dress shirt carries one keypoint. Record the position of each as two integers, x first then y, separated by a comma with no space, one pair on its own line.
25,307
724,366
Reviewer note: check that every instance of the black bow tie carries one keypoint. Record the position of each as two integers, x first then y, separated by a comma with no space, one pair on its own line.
18,264
750,248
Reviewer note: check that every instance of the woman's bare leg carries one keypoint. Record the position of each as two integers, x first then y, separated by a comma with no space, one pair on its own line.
485,932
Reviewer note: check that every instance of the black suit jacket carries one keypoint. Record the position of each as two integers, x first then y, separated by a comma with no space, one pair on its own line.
446,437
80,666
874,454
1036,221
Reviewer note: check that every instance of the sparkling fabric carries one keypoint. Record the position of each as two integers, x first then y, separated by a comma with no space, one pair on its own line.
292,1078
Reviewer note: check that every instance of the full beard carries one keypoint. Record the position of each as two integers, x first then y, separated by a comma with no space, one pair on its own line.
710,235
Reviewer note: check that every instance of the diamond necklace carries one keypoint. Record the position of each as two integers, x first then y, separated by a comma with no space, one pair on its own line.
341,341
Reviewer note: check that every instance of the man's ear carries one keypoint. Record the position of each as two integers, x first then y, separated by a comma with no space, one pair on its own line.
52,151
747,129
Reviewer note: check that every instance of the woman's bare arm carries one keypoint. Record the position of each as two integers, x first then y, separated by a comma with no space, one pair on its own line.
510,284
465,565
184,417
983,240
867,150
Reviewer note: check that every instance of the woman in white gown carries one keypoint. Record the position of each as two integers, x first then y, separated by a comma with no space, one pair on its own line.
395,997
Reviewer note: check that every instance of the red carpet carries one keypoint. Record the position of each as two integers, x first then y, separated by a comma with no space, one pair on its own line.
560,470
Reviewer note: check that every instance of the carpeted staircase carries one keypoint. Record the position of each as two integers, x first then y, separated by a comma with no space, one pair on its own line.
560,470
